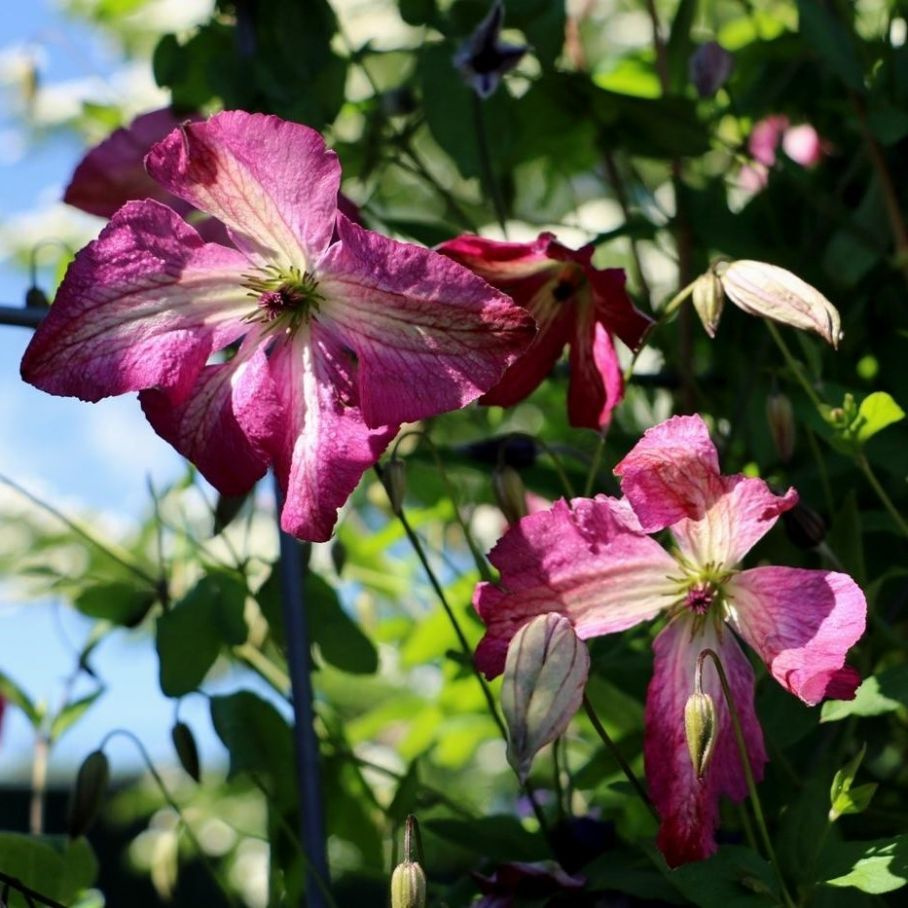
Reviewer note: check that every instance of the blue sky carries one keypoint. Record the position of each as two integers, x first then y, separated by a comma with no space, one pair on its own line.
96,457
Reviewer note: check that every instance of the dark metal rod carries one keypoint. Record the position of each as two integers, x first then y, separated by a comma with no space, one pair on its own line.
22,316
296,633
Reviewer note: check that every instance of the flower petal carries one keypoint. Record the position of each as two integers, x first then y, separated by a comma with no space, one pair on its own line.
273,183
802,623
227,424
596,386
775,293
585,562
670,473
737,512
324,446
689,807
506,265
142,306
429,335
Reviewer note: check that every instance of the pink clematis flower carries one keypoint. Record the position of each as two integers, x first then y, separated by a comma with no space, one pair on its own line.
593,562
332,335
573,303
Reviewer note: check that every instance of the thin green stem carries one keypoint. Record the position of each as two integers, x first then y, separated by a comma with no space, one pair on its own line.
30,895
566,483
748,770
485,164
594,466
168,797
795,365
80,531
821,468
255,660
557,746
612,747
864,466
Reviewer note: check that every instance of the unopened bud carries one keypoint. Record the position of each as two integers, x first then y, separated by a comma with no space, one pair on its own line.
36,298
780,416
408,886
91,785
709,68
510,493
700,730
395,479
777,294
708,299
187,752
804,526
544,677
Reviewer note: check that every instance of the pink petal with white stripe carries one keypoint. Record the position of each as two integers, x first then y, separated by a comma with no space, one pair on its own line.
142,306
585,563
428,334
324,446
273,183
596,385
741,511
227,425
802,623
689,807
671,473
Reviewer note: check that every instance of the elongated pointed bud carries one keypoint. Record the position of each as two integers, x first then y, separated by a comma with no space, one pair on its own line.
394,475
709,68
777,294
780,416
36,298
88,793
510,493
708,299
187,752
408,881
544,678
700,730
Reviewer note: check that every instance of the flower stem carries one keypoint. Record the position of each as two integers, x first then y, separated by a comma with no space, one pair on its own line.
612,747
748,771
796,367
864,466
485,164
594,466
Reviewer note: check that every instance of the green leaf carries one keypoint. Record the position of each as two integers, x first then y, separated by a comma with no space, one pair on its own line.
842,780
50,865
258,739
856,800
340,639
71,713
405,798
12,693
876,412
876,866
878,694
831,41
497,838
118,602
735,877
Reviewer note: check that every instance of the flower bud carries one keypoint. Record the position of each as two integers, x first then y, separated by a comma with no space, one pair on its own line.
394,476
36,298
709,68
544,677
708,299
777,294
187,752
91,785
780,416
510,493
700,730
408,886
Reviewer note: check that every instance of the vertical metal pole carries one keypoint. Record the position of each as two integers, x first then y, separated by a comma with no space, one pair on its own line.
296,633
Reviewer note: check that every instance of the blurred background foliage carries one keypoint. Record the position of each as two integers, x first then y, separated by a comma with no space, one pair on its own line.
599,135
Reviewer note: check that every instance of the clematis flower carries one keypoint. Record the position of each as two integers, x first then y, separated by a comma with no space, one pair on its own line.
573,302
331,335
801,143
593,562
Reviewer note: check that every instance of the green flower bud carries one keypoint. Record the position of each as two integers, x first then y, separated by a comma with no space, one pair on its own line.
708,299
510,493
36,298
187,752
408,886
88,793
700,730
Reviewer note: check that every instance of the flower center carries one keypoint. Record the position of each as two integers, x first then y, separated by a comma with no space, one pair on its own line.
700,597
285,299
569,280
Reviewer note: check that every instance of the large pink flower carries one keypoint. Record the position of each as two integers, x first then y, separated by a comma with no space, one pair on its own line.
331,335
593,562
573,303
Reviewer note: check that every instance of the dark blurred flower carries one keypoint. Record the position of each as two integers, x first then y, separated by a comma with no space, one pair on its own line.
709,68
483,59
515,880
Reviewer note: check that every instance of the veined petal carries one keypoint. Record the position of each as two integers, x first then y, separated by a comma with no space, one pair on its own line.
584,562
324,446
429,335
506,265
670,473
273,183
227,425
597,385
737,512
140,307
689,807
802,623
